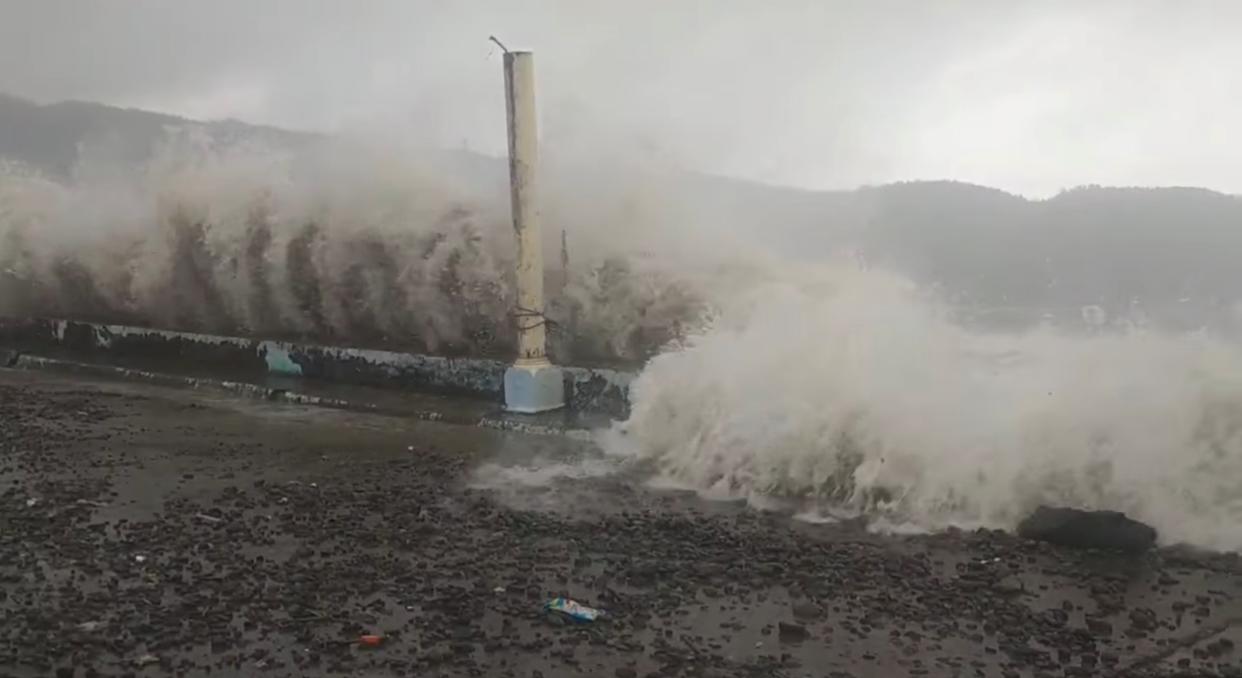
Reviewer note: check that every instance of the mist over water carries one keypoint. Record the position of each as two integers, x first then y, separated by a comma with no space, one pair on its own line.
778,368
853,391
350,241
237,239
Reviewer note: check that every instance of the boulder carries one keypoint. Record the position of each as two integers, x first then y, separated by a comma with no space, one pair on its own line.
1076,528
791,633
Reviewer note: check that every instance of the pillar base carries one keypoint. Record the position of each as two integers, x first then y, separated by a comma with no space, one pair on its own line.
530,389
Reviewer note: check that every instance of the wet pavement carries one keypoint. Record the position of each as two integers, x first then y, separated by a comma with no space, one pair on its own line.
151,531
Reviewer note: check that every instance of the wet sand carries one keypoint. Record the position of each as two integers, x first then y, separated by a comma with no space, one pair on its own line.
149,531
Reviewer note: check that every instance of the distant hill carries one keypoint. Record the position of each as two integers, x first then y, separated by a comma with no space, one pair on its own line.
1172,253
47,137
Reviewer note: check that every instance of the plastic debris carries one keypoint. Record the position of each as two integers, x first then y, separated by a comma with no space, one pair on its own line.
573,610
498,589
31,502
370,640
89,626
146,659
140,558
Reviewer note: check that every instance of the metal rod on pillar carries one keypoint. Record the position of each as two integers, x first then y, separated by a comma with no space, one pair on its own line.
532,384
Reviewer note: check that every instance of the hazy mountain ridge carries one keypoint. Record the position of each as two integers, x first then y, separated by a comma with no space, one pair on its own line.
1119,248
47,138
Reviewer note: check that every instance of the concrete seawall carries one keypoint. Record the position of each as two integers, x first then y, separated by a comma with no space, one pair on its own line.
596,390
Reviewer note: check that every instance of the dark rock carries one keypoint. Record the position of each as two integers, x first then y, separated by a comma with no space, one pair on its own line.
792,633
1099,628
806,610
1218,647
1087,529
1056,617
1143,619
554,618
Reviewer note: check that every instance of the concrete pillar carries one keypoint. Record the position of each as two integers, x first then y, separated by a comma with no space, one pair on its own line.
532,384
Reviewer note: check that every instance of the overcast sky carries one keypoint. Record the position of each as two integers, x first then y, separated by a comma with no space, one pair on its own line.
1025,96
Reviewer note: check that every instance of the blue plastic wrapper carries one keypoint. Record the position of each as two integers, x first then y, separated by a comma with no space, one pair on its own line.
573,610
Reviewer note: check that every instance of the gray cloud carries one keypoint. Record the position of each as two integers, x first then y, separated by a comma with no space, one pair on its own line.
1026,96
